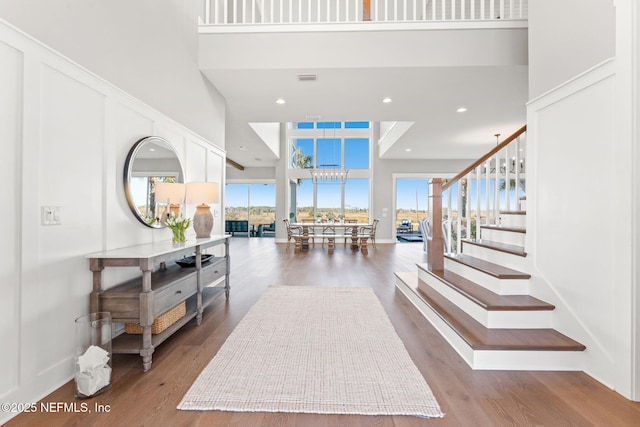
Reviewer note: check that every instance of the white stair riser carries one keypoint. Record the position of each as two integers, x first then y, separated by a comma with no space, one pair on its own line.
503,236
495,285
489,319
513,220
528,360
523,205
458,344
515,262
495,360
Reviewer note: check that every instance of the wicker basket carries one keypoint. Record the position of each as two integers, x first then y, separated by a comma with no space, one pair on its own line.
161,322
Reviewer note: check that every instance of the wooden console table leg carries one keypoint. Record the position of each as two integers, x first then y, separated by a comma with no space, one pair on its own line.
227,283
199,285
146,316
147,348
298,245
96,267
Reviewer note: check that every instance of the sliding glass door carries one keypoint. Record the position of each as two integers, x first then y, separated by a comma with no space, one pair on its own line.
412,204
254,203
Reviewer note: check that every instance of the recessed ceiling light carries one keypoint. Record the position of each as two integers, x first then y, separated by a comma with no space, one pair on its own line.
461,109
280,101
387,100
242,148
407,150
152,149
307,77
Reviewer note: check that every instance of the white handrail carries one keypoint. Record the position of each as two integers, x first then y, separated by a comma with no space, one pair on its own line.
247,12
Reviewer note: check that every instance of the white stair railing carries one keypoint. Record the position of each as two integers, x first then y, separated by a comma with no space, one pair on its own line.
221,12
475,197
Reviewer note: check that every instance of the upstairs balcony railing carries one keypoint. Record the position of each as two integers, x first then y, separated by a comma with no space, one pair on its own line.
476,196
249,12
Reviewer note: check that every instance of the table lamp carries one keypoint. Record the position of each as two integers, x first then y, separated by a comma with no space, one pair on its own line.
201,193
171,193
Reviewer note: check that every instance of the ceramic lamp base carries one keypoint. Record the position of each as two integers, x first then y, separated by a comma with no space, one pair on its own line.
203,221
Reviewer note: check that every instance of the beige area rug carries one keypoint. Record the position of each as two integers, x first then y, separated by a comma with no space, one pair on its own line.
314,350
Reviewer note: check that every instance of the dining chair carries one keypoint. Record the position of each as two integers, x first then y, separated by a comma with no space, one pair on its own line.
290,230
369,231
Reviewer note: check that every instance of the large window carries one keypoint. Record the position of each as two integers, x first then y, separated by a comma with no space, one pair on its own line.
329,146
356,195
356,153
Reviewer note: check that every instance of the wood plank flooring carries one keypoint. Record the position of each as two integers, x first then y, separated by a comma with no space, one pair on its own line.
469,398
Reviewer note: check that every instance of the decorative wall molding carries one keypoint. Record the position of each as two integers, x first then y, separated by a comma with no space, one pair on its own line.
65,133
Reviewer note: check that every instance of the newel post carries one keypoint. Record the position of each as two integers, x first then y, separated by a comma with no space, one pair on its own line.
435,244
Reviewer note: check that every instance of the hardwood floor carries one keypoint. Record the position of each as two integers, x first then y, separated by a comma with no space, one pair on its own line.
468,398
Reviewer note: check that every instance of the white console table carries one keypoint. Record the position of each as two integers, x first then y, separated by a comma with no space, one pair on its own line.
162,286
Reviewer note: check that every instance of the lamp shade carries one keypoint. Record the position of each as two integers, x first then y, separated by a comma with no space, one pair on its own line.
169,193
202,192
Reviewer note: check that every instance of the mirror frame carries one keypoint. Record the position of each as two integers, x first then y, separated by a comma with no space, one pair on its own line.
128,173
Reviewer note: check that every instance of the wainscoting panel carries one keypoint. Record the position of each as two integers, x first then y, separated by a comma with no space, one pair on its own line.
215,170
572,134
11,67
70,176
65,134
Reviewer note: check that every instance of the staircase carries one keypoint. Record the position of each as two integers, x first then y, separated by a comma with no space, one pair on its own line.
480,302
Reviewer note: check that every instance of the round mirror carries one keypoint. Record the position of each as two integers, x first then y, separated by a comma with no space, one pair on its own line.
152,160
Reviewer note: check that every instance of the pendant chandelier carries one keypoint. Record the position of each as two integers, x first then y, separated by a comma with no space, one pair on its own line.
329,174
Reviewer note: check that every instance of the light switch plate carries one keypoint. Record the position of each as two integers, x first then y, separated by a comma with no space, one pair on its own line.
51,215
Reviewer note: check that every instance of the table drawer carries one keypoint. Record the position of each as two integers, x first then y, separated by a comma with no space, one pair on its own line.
213,270
168,296
122,307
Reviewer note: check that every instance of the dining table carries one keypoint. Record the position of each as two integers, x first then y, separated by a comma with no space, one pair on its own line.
330,231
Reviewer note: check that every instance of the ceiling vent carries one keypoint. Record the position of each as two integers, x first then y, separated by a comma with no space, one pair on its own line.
307,77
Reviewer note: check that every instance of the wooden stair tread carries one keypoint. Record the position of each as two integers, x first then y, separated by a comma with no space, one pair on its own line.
480,338
504,228
486,299
497,246
487,267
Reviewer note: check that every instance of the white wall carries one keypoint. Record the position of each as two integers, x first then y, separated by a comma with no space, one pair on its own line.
571,134
148,48
567,37
64,135
628,133
584,200
578,243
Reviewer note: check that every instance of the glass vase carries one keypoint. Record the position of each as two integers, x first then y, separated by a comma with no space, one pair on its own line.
93,355
178,235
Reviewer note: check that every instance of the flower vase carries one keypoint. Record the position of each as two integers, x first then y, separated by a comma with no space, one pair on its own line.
178,235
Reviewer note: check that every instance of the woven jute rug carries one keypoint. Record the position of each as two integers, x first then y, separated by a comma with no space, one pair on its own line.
314,350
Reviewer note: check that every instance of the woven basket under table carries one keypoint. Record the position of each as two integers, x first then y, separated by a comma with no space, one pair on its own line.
161,322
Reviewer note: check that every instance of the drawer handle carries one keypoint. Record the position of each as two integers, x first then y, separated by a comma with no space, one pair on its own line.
215,272
178,292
